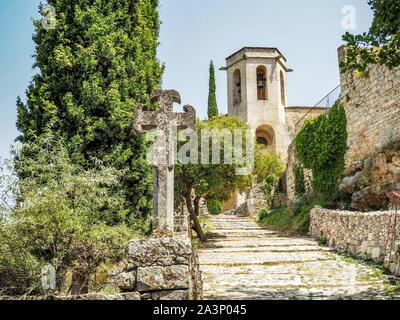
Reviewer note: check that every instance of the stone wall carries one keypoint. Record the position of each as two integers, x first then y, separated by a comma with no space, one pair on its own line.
253,201
372,104
372,235
157,269
162,269
371,182
296,116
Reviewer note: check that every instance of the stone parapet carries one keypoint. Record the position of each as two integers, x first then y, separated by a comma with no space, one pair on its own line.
162,269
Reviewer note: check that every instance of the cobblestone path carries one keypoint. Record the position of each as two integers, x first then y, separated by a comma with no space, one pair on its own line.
242,260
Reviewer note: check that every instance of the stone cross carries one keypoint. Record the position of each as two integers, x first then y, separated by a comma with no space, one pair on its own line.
166,122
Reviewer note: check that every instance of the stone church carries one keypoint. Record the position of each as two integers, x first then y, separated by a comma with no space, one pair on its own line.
257,93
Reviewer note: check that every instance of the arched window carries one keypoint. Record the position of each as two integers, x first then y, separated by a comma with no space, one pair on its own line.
262,83
237,87
283,95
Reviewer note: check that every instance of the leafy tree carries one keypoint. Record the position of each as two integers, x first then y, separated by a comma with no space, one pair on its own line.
381,45
266,165
94,68
214,182
212,98
66,216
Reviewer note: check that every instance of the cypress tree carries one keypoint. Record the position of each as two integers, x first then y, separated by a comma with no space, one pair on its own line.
94,68
212,98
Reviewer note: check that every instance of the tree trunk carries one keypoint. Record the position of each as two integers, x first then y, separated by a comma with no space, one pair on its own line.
193,216
80,282
197,206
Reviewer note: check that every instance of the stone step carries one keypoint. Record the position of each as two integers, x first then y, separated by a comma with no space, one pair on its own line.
256,243
246,226
316,278
235,232
257,258
267,249
244,260
363,292
244,236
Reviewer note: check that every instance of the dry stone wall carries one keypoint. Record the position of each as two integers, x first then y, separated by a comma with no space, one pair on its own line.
370,235
372,104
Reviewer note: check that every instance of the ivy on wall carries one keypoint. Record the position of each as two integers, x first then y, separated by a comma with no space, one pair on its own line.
321,146
299,179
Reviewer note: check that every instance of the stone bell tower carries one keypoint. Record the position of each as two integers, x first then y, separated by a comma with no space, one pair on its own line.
257,94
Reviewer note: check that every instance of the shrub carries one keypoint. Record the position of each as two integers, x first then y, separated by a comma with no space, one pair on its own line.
214,207
64,216
293,219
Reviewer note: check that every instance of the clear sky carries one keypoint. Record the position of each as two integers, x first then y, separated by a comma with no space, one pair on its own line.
193,32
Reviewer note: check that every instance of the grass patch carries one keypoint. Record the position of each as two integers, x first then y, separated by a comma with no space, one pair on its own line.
392,288
322,241
291,220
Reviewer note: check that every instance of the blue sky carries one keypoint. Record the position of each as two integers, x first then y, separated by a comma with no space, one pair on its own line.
193,32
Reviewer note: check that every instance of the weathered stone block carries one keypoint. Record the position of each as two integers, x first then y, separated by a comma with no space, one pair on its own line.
162,278
364,247
170,295
376,253
397,246
126,281
125,296
158,252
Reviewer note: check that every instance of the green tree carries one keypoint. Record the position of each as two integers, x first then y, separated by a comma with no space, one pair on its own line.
212,98
381,44
94,68
216,182
66,217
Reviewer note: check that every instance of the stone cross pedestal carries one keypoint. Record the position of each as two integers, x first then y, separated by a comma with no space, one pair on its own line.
167,123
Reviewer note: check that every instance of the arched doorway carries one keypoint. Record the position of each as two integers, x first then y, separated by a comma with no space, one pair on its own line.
265,135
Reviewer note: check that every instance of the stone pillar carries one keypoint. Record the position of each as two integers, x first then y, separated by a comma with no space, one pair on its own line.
163,200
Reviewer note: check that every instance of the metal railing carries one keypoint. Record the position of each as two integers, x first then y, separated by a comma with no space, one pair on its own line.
326,102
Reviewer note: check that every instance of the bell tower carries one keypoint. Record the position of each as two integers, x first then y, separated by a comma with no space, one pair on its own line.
257,94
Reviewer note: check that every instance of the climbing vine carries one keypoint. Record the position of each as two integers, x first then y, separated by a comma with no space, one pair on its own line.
299,180
321,146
